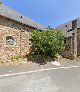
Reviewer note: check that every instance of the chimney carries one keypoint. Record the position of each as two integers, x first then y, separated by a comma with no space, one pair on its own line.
74,24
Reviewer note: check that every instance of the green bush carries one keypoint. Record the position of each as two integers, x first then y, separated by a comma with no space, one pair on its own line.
46,43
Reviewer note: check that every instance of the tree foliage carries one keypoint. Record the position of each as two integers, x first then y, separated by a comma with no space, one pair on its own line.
46,43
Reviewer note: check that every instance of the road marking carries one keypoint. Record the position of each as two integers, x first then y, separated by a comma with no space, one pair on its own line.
75,66
10,71
7,75
64,67
69,67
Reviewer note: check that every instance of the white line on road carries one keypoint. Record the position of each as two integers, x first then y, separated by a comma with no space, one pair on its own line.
10,71
21,73
69,67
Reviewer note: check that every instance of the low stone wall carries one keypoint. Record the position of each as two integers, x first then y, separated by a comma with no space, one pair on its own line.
66,54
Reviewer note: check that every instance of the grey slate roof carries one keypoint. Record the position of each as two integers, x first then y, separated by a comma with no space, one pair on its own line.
12,14
68,26
64,29
63,26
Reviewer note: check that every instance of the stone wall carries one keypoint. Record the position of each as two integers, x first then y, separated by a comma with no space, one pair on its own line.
66,54
21,35
68,51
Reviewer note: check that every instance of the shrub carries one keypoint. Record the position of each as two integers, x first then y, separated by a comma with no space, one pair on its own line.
46,43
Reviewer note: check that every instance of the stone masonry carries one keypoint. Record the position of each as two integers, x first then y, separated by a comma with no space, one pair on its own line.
15,31
71,32
21,34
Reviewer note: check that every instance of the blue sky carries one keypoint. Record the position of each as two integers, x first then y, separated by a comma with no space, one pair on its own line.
47,12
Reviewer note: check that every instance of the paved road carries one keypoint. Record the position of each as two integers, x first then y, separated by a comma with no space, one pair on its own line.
33,66
57,79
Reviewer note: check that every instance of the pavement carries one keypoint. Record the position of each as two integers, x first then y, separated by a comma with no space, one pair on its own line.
44,78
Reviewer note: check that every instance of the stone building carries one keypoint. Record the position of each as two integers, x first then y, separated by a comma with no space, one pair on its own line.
15,30
71,31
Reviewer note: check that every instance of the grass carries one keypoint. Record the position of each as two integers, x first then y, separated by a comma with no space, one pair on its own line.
16,57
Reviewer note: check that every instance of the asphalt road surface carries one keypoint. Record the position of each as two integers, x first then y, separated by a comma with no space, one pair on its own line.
59,79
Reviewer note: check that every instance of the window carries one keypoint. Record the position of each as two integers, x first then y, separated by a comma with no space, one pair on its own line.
9,40
64,41
67,43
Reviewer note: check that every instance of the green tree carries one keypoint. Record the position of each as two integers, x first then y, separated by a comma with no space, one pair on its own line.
46,43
